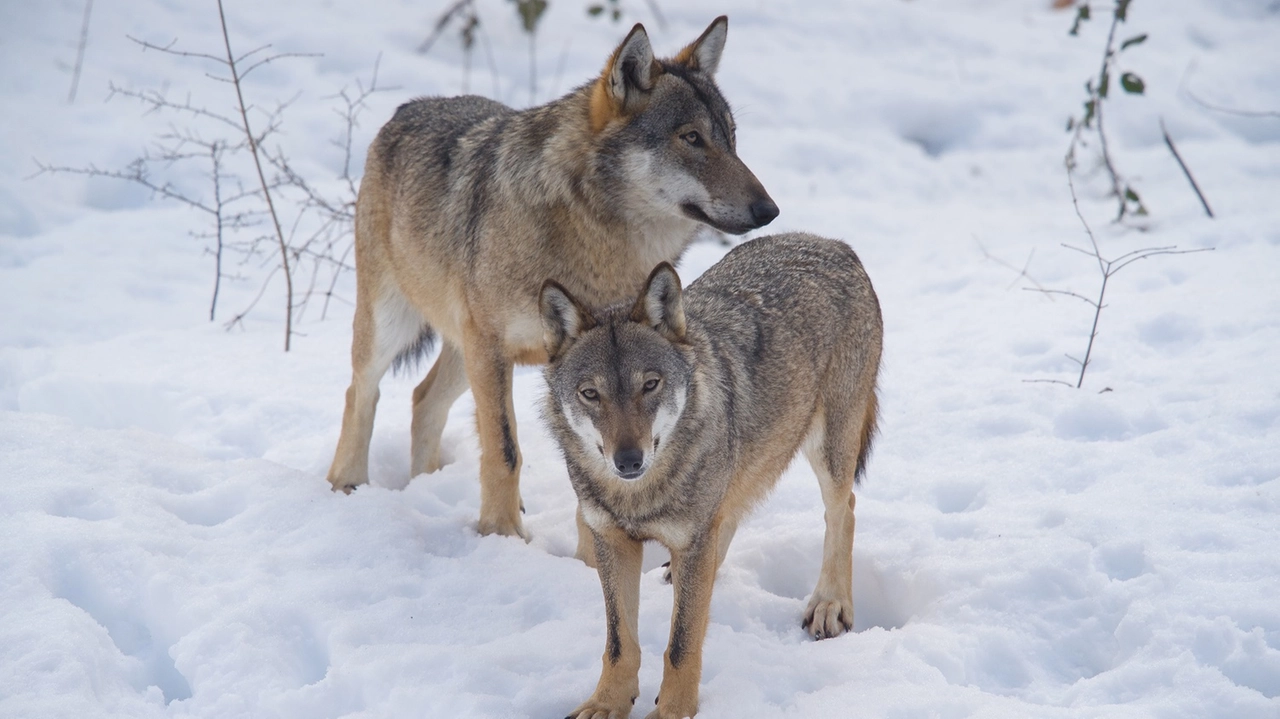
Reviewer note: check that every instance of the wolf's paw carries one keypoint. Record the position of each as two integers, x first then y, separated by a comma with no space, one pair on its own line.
594,709
660,714
345,487
666,572
508,527
828,618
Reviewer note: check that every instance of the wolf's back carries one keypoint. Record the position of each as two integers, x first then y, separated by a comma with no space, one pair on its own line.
813,280
430,136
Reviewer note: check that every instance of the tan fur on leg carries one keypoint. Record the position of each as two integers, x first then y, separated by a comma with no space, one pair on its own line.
619,683
490,378
432,399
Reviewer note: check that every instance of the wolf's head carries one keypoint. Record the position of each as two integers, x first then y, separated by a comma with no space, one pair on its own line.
619,376
668,129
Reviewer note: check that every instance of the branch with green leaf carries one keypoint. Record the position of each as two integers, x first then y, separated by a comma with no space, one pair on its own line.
1098,89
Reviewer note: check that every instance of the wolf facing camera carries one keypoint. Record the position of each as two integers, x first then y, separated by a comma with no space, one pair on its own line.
676,414
467,205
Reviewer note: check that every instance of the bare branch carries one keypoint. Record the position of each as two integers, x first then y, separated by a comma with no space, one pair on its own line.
159,102
168,50
1068,293
657,14
266,191
273,58
1160,252
1076,204
1081,250
1139,252
239,318
1022,273
441,23
137,174
1228,110
1049,381
84,41
1169,141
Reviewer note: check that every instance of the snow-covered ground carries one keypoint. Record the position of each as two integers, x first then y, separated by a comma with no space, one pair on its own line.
169,547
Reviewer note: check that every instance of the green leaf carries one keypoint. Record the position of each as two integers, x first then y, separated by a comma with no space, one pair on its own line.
1129,194
595,10
1071,124
1088,113
1132,84
530,12
1135,40
1081,15
1122,9
1104,84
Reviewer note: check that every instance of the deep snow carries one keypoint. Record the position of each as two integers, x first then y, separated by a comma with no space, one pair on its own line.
169,546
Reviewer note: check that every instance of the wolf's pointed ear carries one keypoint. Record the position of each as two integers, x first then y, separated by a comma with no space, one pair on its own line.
660,305
623,87
703,55
563,318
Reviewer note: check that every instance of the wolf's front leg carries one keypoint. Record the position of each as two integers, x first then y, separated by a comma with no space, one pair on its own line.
619,558
586,544
693,572
489,373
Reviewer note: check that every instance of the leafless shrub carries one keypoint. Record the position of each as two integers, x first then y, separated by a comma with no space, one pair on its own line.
1107,268
247,211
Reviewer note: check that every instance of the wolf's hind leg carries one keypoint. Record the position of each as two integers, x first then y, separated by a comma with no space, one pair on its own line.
830,610
383,327
432,399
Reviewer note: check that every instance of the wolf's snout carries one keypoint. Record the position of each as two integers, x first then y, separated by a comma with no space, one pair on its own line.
629,463
763,212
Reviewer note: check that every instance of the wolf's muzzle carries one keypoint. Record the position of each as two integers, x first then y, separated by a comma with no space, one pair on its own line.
763,212
629,463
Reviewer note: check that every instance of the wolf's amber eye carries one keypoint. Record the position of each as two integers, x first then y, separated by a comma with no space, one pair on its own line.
693,138
590,394
651,385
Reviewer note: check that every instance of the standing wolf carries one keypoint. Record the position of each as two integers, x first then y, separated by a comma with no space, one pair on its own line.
677,413
466,206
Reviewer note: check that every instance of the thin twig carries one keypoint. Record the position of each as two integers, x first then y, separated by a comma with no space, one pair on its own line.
1169,141
159,102
1022,273
1107,268
239,318
215,154
1094,112
441,23
1050,381
1125,264
262,178
1228,110
136,174
84,41
1068,293
168,50
657,14
1075,202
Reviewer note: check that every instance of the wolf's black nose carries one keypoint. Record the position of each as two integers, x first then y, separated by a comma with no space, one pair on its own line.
763,212
628,462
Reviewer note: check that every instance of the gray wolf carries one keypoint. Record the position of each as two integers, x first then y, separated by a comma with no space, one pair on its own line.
467,205
676,414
